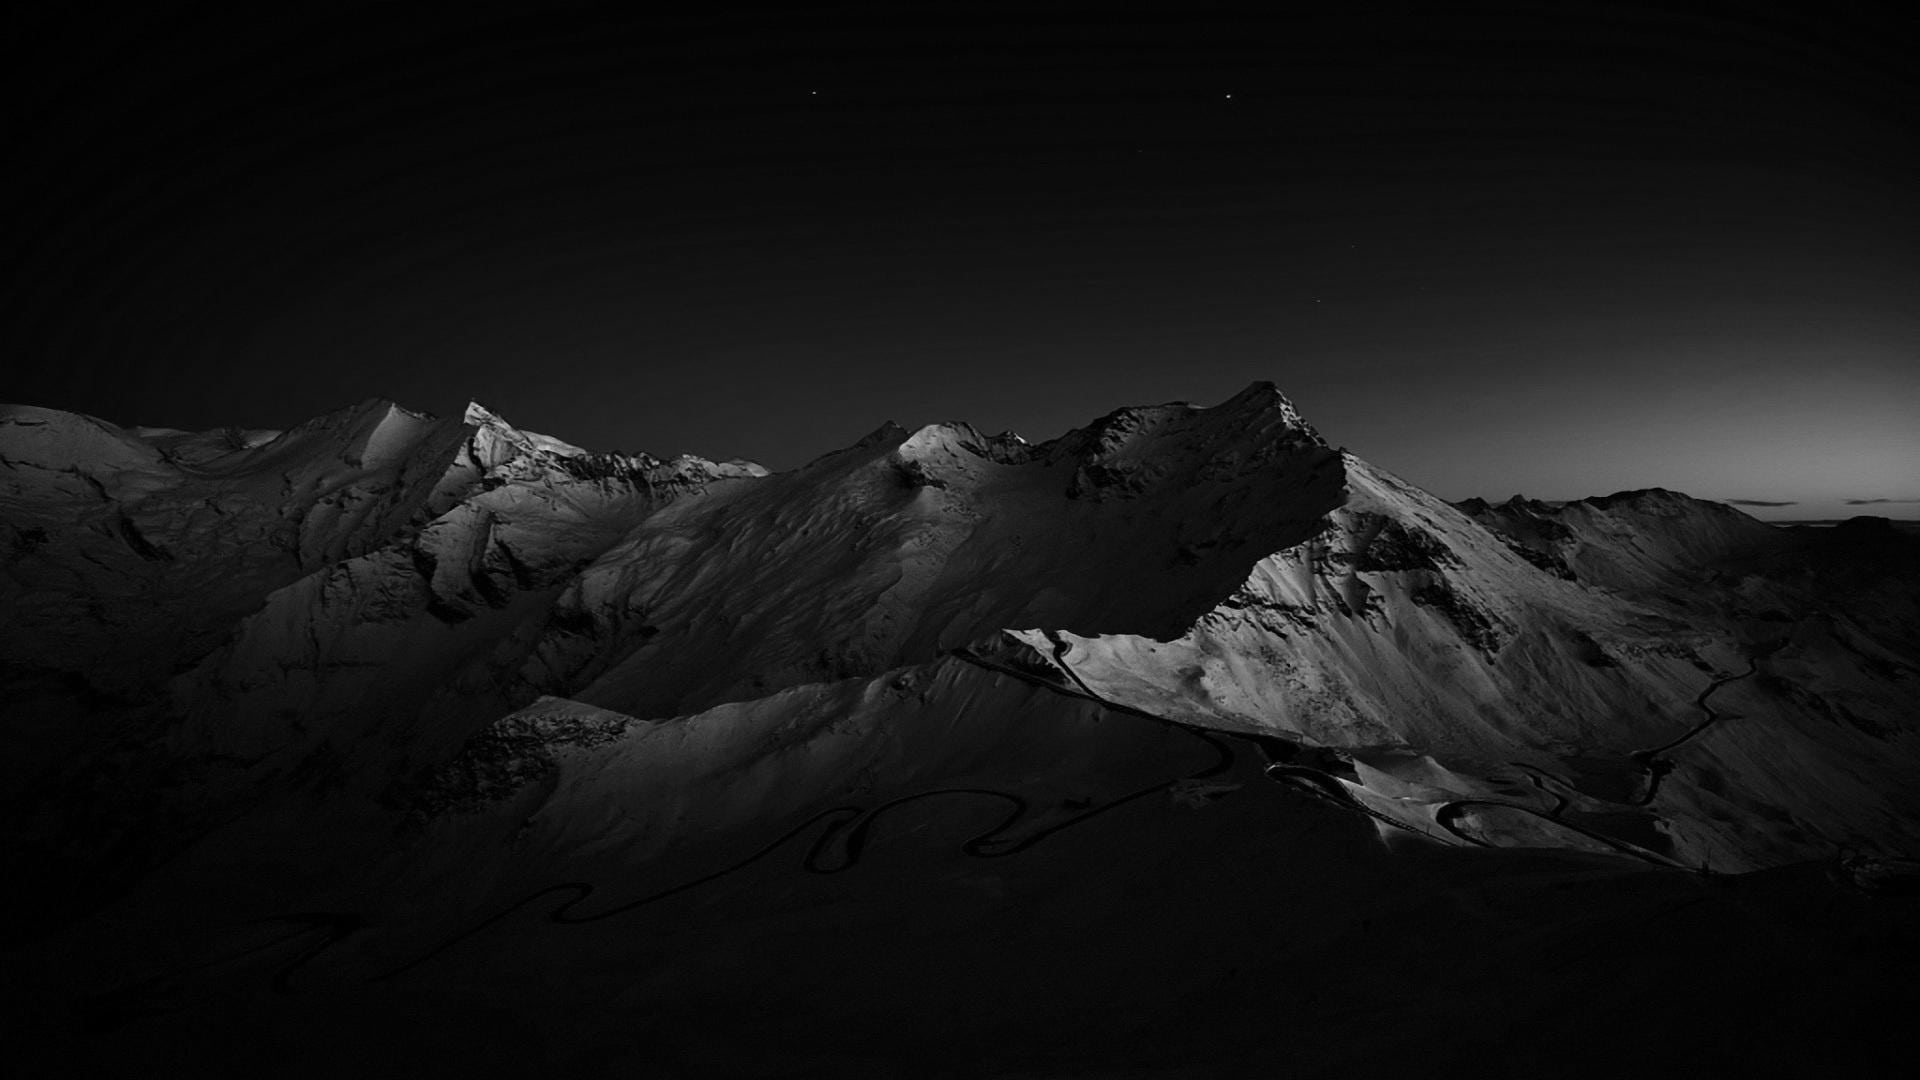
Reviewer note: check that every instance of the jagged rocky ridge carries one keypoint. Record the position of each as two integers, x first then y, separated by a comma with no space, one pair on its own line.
361,596
445,657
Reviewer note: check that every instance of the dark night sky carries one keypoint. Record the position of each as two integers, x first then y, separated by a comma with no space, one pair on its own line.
1561,249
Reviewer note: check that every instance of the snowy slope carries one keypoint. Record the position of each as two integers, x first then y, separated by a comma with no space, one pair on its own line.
415,672
911,543
128,551
1474,686
1631,540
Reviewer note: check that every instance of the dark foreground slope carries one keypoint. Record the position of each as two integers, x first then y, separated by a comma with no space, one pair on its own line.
1183,744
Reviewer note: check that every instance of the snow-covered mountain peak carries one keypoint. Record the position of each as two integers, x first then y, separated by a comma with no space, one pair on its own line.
889,433
376,586
1662,502
1132,450
51,439
453,693
1672,535
500,452
495,442
1263,396
934,442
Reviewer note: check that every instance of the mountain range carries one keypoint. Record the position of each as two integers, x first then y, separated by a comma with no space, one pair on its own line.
1184,743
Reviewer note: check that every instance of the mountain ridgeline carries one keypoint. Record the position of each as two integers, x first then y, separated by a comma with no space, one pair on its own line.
414,671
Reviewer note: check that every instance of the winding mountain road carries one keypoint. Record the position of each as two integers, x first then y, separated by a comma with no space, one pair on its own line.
848,827
1653,761
1538,778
